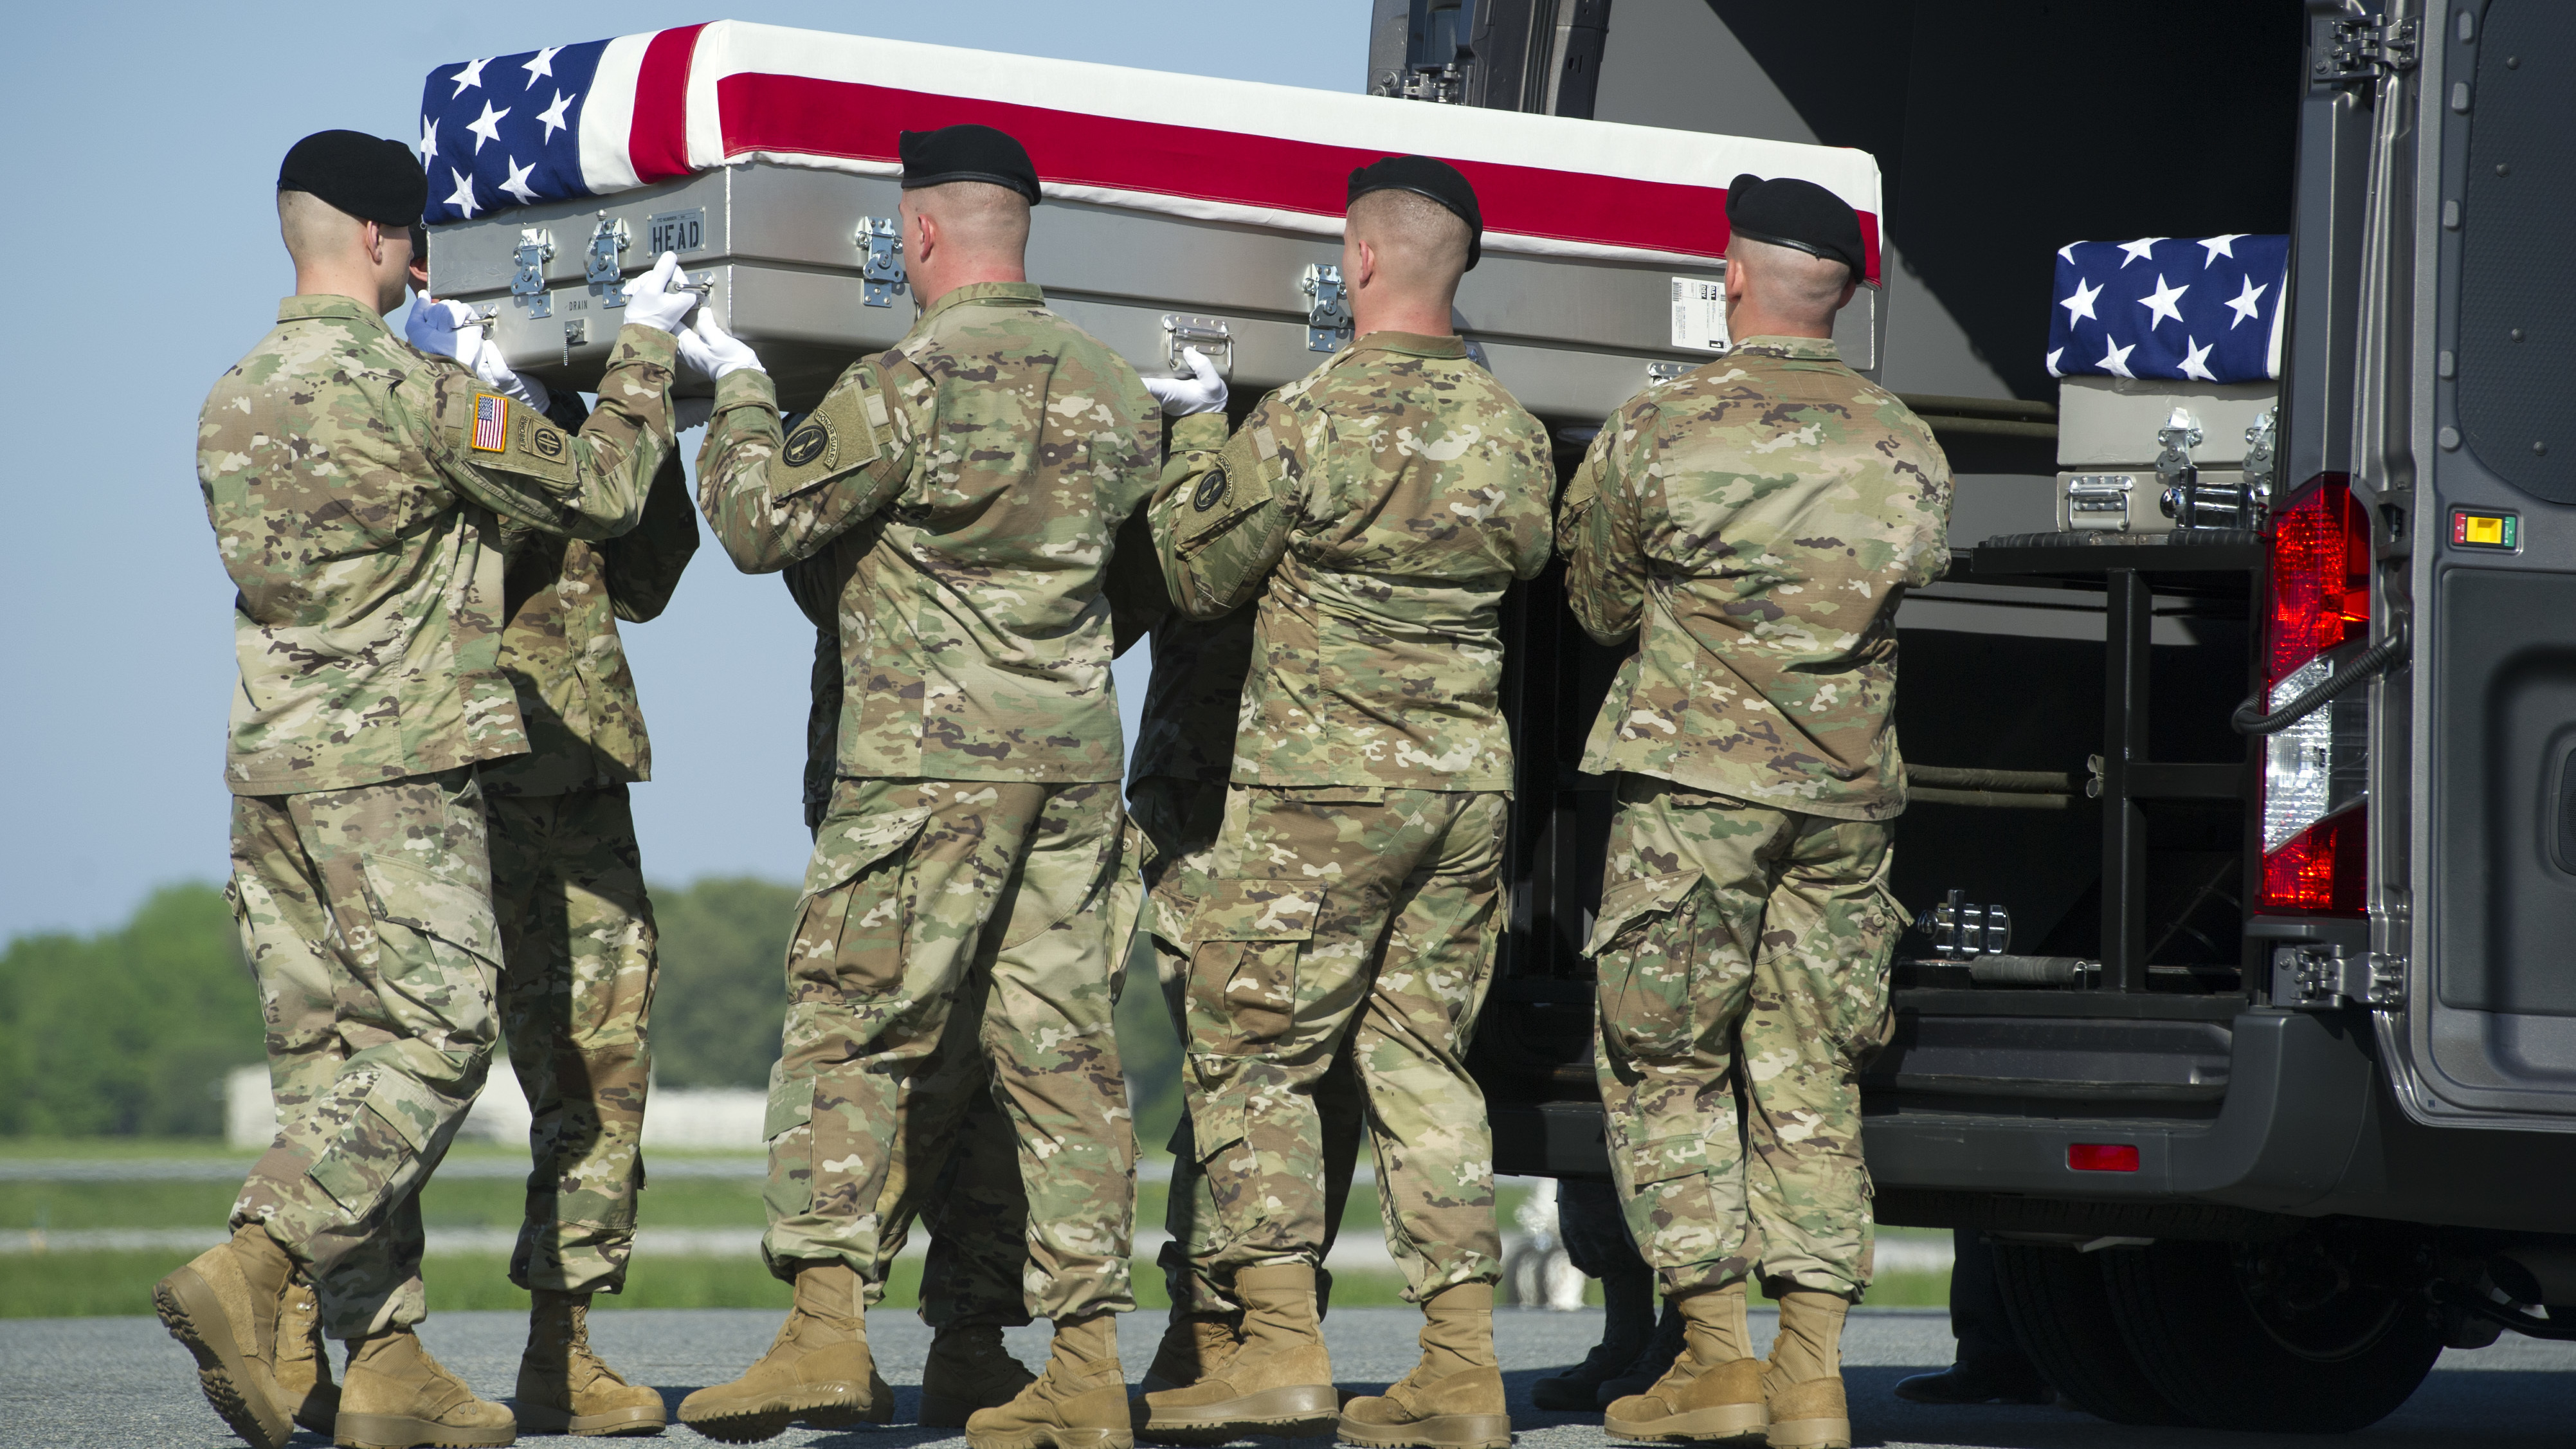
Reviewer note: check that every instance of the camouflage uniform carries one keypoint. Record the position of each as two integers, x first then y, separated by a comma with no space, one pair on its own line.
1755,524
955,1167
966,859
1183,757
1354,899
358,510
577,939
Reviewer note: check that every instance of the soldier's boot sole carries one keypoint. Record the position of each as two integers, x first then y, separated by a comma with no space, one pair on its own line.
1297,1412
633,1420
188,1307
1061,1438
1811,1434
1440,1431
822,1406
1700,1426
401,1431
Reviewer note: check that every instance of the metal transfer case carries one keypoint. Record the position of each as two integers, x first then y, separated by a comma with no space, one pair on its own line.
2146,456
805,265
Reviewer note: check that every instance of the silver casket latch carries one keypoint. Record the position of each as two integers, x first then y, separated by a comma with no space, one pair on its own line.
606,266
880,243
2099,502
1328,307
528,283
1210,335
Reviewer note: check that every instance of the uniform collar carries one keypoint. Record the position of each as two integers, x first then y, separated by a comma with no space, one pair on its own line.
998,293
1412,344
1816,349
338,309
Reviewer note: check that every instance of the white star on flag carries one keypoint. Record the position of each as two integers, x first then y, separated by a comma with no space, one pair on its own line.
2220,246
428,139
2081,304
543,65
517,185
2117,359
553,116
2195,360
487,127
2247,303
2066,253
463,197
2055,353
2160,303
468,76
2141,250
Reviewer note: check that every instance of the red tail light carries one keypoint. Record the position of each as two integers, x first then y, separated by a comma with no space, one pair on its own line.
2102,1156
2315,847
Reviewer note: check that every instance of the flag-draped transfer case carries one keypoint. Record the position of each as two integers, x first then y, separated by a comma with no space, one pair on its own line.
1180,210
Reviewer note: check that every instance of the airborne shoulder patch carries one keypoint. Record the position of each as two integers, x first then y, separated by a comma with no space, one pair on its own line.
848,430
497,433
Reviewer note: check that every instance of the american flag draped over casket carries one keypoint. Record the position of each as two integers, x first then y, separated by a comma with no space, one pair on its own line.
606,116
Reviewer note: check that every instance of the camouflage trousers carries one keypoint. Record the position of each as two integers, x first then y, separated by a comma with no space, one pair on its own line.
577,972
367,917
1347,920
926,902
1742,950
955,1169
1172,831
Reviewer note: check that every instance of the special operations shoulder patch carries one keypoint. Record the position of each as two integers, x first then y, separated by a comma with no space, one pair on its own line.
1211,490
849,429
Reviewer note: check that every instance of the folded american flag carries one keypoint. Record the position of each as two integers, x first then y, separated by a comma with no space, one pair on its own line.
571,121
2204,309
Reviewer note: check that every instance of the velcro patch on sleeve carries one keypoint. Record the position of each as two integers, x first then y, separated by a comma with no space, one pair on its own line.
1239,483
495,432
847,431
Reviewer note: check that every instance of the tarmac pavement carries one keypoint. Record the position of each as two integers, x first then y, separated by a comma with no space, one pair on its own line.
121,1383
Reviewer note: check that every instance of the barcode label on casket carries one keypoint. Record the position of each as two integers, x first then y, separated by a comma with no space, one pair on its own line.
1699,314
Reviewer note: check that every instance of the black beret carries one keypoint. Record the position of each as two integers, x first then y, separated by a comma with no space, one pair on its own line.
1787,212
368,177
967,153
1425,176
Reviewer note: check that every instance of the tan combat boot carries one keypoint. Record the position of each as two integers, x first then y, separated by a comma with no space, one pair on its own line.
1712,1391
223,1307
817,1369
967,1369
1805,1381
1278,1382
1080,1402
1453,1399
564,1388
303,1360
1194,1346
398,1397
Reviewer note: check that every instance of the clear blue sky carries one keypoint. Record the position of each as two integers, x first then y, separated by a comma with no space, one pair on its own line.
143,260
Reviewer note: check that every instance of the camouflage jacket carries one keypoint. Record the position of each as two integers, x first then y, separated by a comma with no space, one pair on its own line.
982,468
561,602
1755,524
356,490
1186,729
1388,498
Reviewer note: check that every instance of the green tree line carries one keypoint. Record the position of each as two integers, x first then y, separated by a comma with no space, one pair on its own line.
131,1032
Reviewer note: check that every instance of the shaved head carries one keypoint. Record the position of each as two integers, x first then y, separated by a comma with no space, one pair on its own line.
338,254
314,229
977,216
1787,283
1421,246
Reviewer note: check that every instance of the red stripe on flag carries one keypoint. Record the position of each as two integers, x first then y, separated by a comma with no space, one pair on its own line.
801,114
657,140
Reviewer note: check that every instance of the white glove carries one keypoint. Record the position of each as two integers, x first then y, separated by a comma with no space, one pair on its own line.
1203,391
691,412
450,329
655,300
709,351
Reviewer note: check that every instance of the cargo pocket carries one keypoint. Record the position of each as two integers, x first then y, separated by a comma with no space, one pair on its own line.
1646,947
850,930
1672,1211
787,1125
443,910
394,1121
1244,943
1865,1014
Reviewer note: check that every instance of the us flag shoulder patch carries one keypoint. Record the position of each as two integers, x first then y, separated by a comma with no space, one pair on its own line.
491,415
